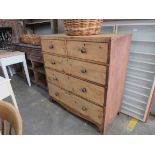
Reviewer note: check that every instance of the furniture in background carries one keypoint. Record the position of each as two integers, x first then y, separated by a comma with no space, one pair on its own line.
10,58
6,90
86,74
33,53
35,63
139,87
41,26
9,114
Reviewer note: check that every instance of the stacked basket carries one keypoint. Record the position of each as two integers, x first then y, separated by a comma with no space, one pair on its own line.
82,27
30,39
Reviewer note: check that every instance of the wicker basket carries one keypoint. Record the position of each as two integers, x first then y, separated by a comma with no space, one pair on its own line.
82,27
30,39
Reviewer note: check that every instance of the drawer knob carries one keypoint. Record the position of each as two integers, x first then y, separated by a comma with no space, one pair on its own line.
55,78
83,70
83,50
53,62
51,46
83,90
84,108
56,94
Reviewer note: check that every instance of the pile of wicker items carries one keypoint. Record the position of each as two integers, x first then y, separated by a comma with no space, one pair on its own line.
30,39
82,27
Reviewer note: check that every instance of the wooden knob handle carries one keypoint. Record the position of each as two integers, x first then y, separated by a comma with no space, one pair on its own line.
56,94
83,70
83,90
51,46
84,108
55,78
53,62
83,50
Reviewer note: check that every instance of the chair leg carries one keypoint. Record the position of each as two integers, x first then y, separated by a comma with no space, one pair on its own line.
3,127
26,72
5,71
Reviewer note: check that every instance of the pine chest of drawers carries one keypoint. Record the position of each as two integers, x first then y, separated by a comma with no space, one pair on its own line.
86,74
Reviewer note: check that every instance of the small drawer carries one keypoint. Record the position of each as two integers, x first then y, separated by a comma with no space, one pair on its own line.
88,50
77,105
54,46
55,62
86,90
57,78
89,71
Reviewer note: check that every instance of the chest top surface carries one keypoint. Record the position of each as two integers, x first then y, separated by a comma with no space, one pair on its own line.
94,38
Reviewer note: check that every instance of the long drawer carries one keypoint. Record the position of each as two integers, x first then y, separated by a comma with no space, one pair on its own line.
87,90
54,46
88,50
78,105
55,62
89,71
82,88
93,72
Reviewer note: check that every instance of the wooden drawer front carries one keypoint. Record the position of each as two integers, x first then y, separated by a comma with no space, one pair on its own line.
88,71
55,62
87,90
57,78
88,50
77,104
54,46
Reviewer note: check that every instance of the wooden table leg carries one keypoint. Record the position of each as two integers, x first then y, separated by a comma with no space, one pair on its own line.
26,72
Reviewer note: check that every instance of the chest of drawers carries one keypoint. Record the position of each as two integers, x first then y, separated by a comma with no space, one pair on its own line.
86,74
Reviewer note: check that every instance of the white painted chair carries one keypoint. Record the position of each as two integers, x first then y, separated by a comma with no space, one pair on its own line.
10,58
6,90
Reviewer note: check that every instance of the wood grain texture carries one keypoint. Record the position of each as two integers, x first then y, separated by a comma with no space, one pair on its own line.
117,73
80,106
59,79
87,90
54,46
89,71
79,87
55,62
92,75
88,50
84,70
93,38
